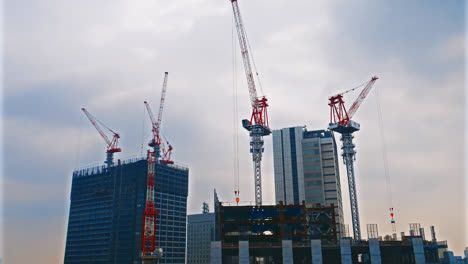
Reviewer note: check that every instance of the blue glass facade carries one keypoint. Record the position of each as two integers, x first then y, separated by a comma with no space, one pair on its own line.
106,208
200,233
292,139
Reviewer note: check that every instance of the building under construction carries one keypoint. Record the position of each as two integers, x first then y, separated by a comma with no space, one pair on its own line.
298,234
106,213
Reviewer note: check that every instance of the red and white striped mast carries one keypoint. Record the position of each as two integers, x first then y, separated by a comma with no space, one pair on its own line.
149,253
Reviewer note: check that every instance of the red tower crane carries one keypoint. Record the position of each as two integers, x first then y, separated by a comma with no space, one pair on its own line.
148,243
111,144
258,124
340,121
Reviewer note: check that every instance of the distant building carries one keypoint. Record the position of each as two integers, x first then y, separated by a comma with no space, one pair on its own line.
449,258
106,210
306,169
200,233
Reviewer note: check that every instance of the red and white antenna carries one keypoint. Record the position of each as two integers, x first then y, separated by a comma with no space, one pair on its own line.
148,239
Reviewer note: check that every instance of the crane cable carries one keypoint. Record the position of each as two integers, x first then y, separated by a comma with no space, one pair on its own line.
385,161
352,89
102,124
235,113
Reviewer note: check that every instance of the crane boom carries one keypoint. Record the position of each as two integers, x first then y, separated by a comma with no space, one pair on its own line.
111,144
161,103
156,139
354,107
150,113
93,121
258,104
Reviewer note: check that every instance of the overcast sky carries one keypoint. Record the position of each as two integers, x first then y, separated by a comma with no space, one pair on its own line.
110,56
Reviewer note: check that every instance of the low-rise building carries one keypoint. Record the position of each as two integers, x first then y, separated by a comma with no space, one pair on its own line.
200,233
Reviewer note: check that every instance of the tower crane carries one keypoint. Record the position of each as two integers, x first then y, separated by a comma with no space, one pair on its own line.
149,253
258,123
340,121
111,144
156,141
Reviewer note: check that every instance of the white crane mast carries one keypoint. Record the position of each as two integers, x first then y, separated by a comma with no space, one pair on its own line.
258,124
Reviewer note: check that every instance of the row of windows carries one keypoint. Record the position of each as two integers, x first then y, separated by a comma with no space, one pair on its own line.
94,216
89,225
312,167
309,152
313,191
82,237
309,144
311,159
311,175
313,183
90,205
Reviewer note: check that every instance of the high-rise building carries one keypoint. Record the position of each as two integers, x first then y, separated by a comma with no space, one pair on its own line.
200,233
106,213
306,169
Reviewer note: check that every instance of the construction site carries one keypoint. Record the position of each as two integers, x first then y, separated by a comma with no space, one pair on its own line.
135,211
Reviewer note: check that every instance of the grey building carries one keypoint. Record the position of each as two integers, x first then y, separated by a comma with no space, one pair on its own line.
200,233
306,169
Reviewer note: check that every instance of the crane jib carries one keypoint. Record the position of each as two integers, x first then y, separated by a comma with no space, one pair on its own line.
258,104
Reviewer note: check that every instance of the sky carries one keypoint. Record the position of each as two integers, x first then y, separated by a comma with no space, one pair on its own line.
110,56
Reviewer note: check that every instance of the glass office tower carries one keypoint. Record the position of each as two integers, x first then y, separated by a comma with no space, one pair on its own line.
306,169
106,208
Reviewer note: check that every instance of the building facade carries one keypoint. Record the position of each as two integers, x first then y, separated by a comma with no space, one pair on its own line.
106,209
200,233
306,169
